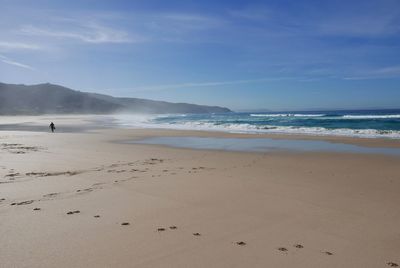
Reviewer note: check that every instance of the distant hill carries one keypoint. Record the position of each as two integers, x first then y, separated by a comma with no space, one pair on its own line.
55,99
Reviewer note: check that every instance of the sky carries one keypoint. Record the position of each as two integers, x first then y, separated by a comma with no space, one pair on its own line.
245,55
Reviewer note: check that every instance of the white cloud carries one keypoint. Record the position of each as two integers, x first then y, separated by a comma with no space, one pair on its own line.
90,33
361,21
172,26
7,46
138,27
193,19
9,61
381,73
210,84
253,13
391,70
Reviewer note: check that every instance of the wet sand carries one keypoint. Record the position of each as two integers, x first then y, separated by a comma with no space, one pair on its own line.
89,200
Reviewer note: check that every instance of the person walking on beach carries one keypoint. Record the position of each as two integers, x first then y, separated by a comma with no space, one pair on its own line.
52,127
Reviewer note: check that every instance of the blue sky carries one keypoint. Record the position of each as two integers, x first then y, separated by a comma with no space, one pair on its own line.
278,55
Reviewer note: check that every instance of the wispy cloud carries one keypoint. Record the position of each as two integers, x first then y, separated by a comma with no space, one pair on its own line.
210,83
391,70
361,22
90,33
133,28
7,46
360,25
179,26
9,61
380,73
192,20
253,13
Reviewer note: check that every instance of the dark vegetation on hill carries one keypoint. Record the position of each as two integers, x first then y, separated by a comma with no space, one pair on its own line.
55,99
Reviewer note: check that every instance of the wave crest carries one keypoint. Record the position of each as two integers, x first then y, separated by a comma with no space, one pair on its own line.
238,126
371,116
287,115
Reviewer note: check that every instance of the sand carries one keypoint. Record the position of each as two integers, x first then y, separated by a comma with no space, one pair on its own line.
84,199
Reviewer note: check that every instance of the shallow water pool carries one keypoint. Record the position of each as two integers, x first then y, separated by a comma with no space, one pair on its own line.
265,145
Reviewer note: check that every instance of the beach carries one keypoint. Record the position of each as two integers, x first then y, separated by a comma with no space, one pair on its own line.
84,197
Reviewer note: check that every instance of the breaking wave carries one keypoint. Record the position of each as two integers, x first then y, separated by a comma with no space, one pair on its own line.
225,124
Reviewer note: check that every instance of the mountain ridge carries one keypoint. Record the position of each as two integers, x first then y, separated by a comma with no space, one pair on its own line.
20,99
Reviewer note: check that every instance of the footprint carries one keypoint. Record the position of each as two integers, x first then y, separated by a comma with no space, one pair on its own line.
392,264
282,249
51,195
298,246
73,212
328,253
37,209
96,216
196,234
12,175
241,243
125,223
48,174
173,227
23,203
160,229
87,190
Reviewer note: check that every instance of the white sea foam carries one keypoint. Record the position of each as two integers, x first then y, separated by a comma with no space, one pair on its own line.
287,115
319,131
150,121
371,116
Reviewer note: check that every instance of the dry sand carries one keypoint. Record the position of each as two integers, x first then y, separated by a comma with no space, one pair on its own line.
82,200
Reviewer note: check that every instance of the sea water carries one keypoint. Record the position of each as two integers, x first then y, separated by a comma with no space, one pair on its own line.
362,123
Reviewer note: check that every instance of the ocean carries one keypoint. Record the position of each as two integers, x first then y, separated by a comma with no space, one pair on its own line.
361,123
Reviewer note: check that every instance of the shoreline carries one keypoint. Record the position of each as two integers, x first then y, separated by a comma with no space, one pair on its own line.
94,202
367,142
89,123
